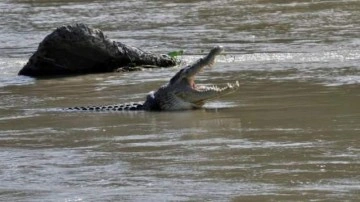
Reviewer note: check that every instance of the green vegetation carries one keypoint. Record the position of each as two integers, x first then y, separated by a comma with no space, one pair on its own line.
175,54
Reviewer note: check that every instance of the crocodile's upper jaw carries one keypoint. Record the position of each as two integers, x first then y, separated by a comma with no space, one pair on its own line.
182,93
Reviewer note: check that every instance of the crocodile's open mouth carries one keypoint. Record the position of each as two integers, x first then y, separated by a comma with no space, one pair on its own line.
208,61
188,93
204,88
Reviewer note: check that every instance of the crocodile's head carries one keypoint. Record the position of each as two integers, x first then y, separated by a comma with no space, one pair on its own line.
182,93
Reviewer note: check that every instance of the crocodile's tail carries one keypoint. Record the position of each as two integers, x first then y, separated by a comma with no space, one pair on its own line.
120,107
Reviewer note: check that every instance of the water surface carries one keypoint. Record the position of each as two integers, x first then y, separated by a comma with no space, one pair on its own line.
291,132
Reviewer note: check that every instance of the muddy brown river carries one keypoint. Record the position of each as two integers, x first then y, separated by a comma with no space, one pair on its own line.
290,133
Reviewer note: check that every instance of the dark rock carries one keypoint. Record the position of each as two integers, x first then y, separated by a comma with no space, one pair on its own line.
78,49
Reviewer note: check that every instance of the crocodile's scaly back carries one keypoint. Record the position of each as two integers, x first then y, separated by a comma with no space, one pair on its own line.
180,93
121,107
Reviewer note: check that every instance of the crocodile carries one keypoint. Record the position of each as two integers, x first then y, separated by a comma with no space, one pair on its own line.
180,93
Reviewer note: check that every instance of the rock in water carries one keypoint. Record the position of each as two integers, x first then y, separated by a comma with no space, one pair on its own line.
78,49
